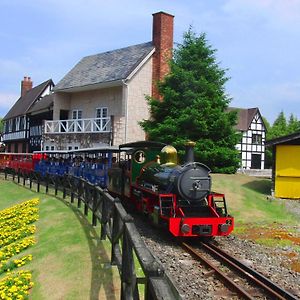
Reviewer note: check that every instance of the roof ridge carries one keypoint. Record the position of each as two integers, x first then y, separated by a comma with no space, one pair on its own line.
123,48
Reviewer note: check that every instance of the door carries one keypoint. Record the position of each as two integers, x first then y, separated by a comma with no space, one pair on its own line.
63,115
255,161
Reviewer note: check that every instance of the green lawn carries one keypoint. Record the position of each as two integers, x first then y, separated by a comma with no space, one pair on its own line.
247,199
69,260
257,217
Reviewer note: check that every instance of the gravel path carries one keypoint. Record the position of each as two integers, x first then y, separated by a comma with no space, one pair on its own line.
196,282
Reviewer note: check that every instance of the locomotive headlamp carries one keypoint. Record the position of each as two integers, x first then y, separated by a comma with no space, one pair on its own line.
185,228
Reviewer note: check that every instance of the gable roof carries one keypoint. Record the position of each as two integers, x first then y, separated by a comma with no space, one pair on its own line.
24,103
45,103
105,67
245,117
291,139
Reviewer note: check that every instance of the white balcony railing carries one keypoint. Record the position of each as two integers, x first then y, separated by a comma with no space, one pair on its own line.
95,125
14,135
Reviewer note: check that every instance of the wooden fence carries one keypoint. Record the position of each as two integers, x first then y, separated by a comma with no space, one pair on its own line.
117,226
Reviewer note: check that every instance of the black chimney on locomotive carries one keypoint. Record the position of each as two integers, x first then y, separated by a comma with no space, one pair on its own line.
189,152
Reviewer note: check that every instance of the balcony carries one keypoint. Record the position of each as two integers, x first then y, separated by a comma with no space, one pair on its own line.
95,125
14,136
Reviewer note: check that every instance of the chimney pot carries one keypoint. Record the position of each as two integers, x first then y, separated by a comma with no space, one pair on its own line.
26,85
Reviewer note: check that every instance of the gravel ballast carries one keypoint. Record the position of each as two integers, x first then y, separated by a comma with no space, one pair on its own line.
196,282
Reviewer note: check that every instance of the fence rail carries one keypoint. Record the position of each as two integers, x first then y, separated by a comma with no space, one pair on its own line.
117,226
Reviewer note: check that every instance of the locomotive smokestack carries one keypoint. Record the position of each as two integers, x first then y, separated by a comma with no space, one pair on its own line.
189,151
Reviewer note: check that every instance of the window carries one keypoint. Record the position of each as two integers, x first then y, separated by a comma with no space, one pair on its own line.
47,148
22,119
256,139
6,126
18,124
10,125
52,148
77,114
14,125
102,118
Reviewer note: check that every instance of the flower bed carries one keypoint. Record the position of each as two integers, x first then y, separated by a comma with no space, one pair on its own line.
16,235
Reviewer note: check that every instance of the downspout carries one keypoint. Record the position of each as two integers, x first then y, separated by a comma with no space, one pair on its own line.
125,97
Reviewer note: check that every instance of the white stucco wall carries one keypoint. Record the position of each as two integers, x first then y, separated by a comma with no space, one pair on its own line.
60,101
138,87
88,101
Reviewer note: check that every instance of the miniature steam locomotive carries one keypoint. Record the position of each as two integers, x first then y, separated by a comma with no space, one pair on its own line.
178,197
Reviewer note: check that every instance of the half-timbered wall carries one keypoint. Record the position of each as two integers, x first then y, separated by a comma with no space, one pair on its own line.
252,146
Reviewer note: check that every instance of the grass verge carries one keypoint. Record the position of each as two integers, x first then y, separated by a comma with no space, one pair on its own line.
70,262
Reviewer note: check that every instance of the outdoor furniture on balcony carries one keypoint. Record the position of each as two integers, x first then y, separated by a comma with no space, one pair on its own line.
94,125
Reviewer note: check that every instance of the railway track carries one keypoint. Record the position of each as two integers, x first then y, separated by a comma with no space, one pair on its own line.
261,283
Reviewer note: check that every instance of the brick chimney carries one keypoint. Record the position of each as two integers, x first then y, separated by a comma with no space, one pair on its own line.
162,38
26,85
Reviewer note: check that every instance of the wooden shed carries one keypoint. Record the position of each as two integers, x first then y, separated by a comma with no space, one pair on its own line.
286,166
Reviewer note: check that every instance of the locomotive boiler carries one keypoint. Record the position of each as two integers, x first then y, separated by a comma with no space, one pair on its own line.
175,196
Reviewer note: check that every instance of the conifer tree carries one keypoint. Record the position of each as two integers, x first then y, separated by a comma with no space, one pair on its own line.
293,124
194,106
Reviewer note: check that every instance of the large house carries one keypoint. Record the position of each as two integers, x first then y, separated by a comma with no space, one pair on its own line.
102,99
22,133
252,144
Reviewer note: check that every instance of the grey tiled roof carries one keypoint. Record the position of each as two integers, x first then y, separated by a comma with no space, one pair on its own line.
105,67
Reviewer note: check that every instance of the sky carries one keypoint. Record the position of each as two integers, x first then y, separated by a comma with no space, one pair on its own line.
258,41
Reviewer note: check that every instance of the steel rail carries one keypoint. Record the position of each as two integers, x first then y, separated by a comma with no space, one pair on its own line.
219,273
270,287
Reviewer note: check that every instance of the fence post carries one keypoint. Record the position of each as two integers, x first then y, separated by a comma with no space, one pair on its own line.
30,180
55,184
13,174
116,233
64,186
129,288
104,217
24,179
47,182
79,193
18,175
38,183
72,190
94,217
5,173
87,198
